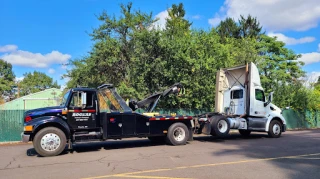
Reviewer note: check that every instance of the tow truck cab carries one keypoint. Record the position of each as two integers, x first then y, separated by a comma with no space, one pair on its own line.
87,115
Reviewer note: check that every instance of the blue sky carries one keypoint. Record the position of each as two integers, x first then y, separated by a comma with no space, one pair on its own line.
43,35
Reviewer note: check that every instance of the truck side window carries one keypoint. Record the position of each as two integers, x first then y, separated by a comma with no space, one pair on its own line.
259,95
236,94
89,100
76,100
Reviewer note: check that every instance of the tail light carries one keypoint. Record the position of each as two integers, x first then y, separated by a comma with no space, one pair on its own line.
27,119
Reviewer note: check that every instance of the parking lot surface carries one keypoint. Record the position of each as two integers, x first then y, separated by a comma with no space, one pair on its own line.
295,155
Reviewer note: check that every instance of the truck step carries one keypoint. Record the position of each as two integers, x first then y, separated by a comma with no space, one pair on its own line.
87,141
90,136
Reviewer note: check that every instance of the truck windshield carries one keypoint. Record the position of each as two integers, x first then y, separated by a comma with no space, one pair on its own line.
64,99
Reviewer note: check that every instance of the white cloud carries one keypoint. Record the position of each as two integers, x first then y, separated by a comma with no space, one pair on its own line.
8,48
311,78
274,15
215,21
36,60
196,17
318,47
51,71
314,76
19,78
291,40
309,58
161,22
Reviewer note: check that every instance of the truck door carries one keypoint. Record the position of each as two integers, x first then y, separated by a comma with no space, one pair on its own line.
259,109
82,116
258,120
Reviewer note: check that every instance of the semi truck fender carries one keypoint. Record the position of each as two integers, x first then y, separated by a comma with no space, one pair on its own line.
275,116
52,121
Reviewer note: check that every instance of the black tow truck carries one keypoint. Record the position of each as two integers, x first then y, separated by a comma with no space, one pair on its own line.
88,115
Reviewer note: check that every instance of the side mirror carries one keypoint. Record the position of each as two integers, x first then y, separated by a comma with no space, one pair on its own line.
83,99
270,98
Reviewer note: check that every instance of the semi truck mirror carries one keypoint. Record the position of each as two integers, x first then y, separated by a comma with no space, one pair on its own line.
270,97
83,99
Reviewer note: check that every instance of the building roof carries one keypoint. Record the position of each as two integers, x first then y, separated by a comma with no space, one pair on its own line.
48,97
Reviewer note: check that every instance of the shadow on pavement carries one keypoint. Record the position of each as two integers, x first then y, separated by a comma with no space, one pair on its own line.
256,146
107,145
259,145
112,145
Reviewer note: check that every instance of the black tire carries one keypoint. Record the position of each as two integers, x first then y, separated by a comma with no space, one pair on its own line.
55,134
244,133
157,139
176,130
220,126
275,129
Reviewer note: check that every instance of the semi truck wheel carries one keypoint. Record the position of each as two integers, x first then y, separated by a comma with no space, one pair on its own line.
49,141
178,134
275,129
244,133
220,126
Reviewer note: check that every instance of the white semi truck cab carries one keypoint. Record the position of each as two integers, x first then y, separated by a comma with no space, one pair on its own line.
240,103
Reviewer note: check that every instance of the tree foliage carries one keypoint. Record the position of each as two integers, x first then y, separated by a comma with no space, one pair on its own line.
35,82
6,80
140,59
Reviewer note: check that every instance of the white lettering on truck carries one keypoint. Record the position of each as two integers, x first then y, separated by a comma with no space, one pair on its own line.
81,114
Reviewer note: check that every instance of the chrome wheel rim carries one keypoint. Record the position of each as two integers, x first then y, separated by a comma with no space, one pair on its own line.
222,126
179,134
276,129
50,142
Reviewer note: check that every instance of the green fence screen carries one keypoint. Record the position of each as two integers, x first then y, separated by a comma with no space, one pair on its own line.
11,121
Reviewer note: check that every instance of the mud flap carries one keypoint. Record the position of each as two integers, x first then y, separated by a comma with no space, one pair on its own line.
191,131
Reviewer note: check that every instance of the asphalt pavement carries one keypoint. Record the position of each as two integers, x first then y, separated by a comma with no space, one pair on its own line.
295,155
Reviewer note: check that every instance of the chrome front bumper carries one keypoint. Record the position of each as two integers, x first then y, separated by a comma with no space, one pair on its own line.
25,137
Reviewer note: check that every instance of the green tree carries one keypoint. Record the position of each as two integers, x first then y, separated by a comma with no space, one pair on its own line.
35,82
140,60
317,84
249,27
228,28
176,24
112,55
6,80
246,27
278,65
